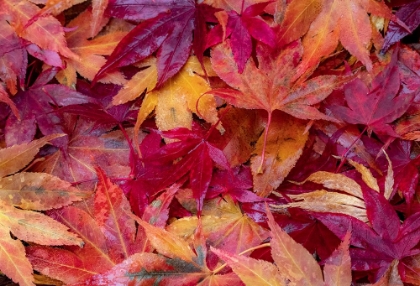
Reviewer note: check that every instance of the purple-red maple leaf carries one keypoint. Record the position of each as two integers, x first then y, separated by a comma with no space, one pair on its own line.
377,247
410,15
370,106
35,106
240,28
167,27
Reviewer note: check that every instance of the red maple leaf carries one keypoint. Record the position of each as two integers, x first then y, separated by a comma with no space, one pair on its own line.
197,154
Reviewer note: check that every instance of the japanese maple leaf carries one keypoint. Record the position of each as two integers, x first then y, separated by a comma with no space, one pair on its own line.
377,246
410,15
269,86
98,9
240,28
112,252
89,145
345,21
197,154
46,31
298,16
21,195
4,97
35,108
224,225
404,167
237,185
176,263
90,52
371,106
106,227
176,100
293,263
13,57
167,28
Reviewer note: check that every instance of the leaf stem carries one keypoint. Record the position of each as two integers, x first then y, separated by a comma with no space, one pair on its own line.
343,159
260,168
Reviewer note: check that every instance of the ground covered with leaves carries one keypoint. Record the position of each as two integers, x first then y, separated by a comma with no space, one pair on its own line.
217,142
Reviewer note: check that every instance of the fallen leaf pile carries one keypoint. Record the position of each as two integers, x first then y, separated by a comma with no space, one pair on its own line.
212,142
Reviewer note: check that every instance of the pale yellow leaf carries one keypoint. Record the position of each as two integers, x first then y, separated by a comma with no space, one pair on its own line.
335,182
172,107
182,95
325,201
367,176
389,179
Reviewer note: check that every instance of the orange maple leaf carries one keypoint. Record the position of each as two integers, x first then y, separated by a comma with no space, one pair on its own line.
270,86
345,21
90,53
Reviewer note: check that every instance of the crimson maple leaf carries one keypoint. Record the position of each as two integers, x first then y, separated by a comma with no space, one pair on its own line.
237,183
198,155
240,28
167,28
370,106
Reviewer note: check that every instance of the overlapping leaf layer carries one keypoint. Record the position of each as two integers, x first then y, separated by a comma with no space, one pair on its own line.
215,142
